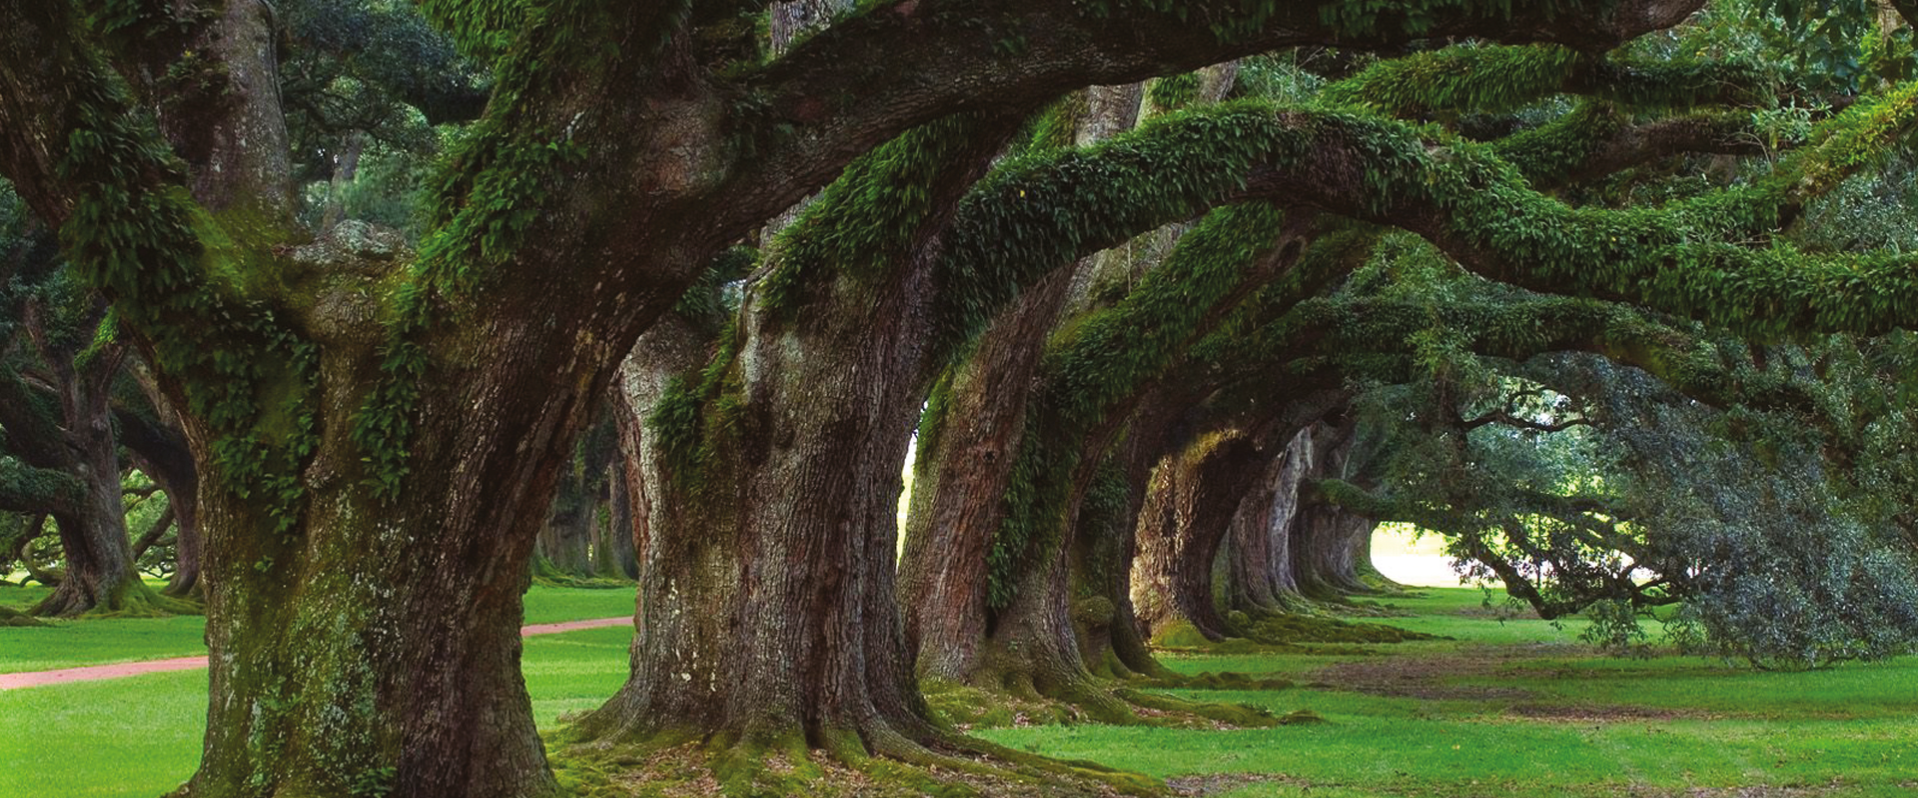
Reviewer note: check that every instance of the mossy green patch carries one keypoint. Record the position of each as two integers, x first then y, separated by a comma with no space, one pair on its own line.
1290,628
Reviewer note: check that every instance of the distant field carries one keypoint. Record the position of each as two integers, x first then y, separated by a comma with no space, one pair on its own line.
1408,559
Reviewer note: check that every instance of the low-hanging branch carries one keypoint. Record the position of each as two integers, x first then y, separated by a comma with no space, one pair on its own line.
1066,44
1467,528
1599,139
154,533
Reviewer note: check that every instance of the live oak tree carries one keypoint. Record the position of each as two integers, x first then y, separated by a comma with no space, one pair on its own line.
378,433
64,389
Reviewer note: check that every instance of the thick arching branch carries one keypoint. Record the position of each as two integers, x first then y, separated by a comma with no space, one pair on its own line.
853,86
1470,78
1600,139
26,489
1686,258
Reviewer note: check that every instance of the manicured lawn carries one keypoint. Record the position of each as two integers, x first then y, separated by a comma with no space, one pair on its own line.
68,644
140,737
1518,709
1511,708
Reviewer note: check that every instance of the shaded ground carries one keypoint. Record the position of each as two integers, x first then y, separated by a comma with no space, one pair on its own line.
1430,677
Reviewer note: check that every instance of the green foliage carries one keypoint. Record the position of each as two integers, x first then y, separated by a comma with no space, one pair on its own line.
696,414
23,487
482,29
869,219
495,183
1504,79
712,298
1483,78
142,242
1174,92
1039,211
1056,126
125,21
1096,364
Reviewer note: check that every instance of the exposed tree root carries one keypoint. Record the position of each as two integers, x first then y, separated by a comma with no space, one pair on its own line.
13,617
881,766
131,599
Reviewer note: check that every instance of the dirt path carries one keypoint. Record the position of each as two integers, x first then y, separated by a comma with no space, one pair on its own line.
90,673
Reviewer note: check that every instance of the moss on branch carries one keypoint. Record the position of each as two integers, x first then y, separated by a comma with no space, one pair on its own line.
1503,78
25,489
136,235
1092,366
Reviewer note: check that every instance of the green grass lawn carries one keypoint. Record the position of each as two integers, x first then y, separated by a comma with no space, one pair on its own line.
140,737
1523,711
1509,708
67,644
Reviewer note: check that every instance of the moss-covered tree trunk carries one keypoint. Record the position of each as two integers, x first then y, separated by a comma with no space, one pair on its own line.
767,608
1106,539
966,448
767,482
1259,560
1323,538
1187,515
366,642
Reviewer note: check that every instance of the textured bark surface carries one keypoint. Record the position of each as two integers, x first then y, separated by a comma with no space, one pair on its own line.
1259,559
1187,514
768,607
961,468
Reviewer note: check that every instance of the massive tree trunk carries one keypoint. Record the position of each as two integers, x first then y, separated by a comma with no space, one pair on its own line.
767,607
1187,514
966,449
565,546
393,662
1107,536
59,427
101,572
969,448
768,613
378,445
1259,560
152,435
189,549
1324,539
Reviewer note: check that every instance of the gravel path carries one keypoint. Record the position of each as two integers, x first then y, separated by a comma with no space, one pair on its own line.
14,681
